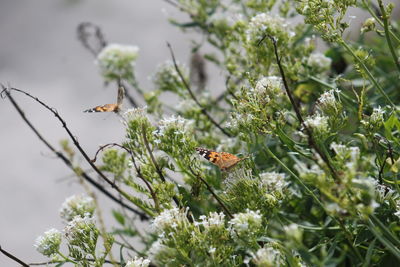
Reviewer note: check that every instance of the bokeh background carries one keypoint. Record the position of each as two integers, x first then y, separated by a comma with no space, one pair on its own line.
40,53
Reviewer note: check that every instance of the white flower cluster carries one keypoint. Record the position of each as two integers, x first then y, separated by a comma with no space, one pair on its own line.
169,219
318,124
166,78
117,61
344,152
179,124
327,101
78,227
273,181
319,62
77,205
135,113
49,243
377,116
272,85
213,221
249,221
268,257
237,119
375,120
138,262
264,23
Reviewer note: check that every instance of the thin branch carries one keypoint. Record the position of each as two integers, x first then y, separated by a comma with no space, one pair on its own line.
311,140
203,110
140,175
77,145
87,30
67,161
14,258
197,175
52,262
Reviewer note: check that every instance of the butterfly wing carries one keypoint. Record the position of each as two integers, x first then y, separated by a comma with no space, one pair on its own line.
228,160
104,108
208,154
223,160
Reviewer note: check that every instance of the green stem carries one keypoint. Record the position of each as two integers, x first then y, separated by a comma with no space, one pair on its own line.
66,258
388,40
367,6
394,250
369,74
385,230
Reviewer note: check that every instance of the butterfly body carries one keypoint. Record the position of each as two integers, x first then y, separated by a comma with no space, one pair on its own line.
223,160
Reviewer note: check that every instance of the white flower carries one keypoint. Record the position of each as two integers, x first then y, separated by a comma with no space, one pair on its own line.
273,181
77,205
166,78
245,222
79,227
327,101
214,220
318,124
293,232
377,116
138,262
212,250
319,62
268,257
169,219
272,85
135,113
177,123
48,244
117,61
264,23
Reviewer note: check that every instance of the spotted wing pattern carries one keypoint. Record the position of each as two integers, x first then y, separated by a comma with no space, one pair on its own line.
110,107
223,160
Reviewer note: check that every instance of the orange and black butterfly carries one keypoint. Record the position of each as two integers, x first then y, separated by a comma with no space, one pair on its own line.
223,160
111,107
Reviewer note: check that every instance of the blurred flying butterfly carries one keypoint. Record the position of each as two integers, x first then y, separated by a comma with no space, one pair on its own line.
110,107
223,160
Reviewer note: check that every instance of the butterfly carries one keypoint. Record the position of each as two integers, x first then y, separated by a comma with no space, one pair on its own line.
223,160
110,107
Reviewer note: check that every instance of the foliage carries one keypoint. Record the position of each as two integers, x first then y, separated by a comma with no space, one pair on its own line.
320,130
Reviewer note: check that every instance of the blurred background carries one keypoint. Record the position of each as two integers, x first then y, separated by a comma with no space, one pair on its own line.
40,53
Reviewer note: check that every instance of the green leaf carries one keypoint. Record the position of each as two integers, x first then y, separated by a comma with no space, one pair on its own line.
119,217
392,124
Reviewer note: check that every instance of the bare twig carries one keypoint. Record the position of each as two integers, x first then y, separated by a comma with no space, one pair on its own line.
87,31
203,110
52,262
14,258
311,140
197,175
143,216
